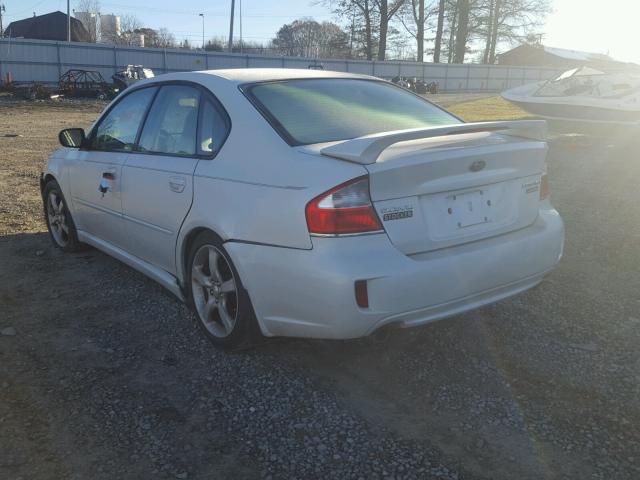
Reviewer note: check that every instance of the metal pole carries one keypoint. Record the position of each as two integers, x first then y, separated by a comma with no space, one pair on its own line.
2,10
202,15
233,5
240,26
68,21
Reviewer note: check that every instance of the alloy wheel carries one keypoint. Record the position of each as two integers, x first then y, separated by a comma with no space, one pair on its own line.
214,289
57,219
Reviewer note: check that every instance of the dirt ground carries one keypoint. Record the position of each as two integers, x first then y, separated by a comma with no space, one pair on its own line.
105,375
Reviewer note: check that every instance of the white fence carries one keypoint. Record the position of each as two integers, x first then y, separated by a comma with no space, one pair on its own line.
45,61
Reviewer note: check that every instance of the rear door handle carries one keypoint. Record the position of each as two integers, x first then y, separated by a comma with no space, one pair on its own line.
177,184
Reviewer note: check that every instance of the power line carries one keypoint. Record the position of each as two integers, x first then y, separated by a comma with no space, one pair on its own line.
29,10
212,13
146,9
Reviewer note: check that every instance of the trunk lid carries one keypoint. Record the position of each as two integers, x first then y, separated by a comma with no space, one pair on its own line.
439,191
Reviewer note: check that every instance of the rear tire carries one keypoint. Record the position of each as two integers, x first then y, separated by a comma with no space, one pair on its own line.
59,221
217,296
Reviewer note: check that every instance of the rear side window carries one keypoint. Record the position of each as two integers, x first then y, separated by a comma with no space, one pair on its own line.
330,109
118,130
172,122
214,127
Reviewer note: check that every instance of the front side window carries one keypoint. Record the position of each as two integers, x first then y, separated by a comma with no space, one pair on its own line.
172,122
329,109
118,130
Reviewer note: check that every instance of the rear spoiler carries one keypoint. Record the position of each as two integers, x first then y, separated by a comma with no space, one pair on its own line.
367,149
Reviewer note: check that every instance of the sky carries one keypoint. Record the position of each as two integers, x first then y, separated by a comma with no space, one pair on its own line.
590,25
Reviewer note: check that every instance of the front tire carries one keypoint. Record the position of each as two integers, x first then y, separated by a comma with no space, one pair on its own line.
59,221
216,295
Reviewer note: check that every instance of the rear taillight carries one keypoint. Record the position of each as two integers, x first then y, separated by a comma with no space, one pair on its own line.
345,209
544,187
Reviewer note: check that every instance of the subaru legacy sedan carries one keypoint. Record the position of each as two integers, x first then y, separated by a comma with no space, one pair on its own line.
306,203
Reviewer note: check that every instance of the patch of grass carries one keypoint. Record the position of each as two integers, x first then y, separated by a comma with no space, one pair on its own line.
488,109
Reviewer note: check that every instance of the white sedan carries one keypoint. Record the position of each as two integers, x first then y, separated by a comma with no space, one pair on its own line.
306,203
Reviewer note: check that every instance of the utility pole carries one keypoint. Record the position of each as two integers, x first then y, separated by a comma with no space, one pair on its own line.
353,29
202,15
233,5
2,10
68,21
240,26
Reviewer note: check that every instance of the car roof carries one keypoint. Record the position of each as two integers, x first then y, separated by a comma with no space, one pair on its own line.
245,75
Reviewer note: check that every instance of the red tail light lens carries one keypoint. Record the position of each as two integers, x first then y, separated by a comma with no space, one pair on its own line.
345,209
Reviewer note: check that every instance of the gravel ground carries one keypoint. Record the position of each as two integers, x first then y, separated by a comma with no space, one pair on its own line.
104,375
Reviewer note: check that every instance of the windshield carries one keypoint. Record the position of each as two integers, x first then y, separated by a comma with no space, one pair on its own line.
327,110
588,82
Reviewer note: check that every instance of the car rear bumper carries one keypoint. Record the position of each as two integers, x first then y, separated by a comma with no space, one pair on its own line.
310,293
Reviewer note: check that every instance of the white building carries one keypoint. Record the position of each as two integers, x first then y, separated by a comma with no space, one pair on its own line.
109,26
89,21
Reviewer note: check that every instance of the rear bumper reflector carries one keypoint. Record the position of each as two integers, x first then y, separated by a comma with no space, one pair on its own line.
362,295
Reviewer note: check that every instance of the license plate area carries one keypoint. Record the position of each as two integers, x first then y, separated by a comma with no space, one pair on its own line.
470,212
470,208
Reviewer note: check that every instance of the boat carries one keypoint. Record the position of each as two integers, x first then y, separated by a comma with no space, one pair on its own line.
583,94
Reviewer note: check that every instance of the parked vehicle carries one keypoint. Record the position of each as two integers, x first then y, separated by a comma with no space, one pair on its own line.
415,85
130,75
402,82
306,202
583,94
84,83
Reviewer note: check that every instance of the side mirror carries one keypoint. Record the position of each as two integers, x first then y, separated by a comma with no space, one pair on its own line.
72,137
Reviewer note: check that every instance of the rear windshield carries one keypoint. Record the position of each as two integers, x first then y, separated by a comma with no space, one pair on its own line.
327,110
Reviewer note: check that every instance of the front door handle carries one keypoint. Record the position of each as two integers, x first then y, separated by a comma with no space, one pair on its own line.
177,184
108,176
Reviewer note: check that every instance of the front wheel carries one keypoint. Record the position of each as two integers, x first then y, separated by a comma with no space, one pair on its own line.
59,222
217,296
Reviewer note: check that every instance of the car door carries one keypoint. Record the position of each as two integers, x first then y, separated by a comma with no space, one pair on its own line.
97,211
158,178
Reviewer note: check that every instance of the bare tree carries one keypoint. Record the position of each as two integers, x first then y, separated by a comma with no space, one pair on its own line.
362,15
221,44
452,14
370,21
368,13
334,41
130,26
88,12
165,39
161,38
465,22
399,46
308,38
462,30
461,26
416,16
387,10
438,40
511,21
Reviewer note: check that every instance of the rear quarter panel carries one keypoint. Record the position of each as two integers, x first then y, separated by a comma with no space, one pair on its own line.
257,187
